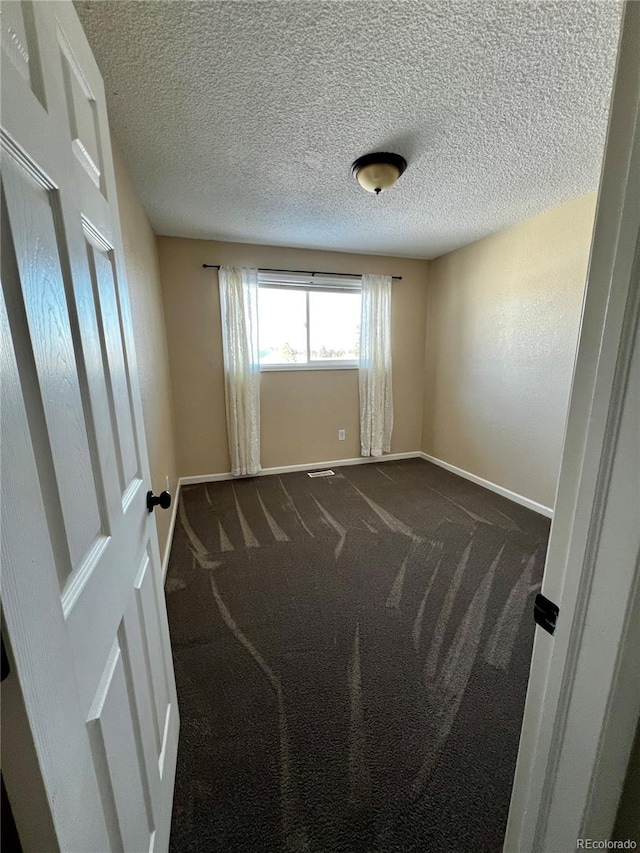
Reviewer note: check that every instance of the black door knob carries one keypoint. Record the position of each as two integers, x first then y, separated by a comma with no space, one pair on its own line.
163,499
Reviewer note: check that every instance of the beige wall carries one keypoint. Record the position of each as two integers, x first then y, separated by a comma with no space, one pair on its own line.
502,326
503,322
301,412
141,261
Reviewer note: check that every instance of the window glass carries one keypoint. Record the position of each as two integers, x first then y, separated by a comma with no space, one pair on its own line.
334,326
282,326
334,320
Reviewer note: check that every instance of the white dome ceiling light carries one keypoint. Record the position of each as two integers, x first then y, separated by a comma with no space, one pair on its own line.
378,171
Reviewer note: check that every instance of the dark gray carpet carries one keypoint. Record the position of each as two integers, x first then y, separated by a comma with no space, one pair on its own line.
351,659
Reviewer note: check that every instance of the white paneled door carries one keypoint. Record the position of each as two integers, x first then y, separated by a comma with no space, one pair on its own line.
83,606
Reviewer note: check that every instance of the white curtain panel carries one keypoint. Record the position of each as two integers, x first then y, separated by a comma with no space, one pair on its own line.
376,396
239,308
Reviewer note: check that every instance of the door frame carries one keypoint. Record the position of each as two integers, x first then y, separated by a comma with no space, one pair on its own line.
582,704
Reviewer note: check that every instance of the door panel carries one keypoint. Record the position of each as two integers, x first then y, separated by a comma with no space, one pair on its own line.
100,259
113,742
81,111
154,652
32,212
19,43
75,406
39,647
137,656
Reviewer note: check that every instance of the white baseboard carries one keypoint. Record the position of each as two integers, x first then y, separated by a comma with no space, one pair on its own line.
494,487
337,463
308,466
172,524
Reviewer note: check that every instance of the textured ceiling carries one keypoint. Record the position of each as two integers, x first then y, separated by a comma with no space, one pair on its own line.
240,120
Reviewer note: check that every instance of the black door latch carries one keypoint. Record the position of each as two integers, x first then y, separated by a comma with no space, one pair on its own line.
545,613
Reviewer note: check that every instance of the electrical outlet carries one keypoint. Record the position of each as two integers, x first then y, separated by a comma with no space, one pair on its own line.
342,434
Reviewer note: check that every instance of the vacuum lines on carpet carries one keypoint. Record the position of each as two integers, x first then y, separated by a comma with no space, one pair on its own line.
351,660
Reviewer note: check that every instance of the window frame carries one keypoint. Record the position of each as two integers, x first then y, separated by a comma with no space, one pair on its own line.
309,284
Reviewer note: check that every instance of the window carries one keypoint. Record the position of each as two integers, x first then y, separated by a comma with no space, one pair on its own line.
308,321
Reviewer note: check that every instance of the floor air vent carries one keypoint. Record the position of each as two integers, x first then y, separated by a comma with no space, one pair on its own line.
327,473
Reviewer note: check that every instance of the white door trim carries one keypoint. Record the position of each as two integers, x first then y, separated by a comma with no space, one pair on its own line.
579,720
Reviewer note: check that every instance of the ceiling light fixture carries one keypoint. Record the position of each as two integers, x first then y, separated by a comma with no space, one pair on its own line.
378,171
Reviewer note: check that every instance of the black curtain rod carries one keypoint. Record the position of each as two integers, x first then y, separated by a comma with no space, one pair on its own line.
301,272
